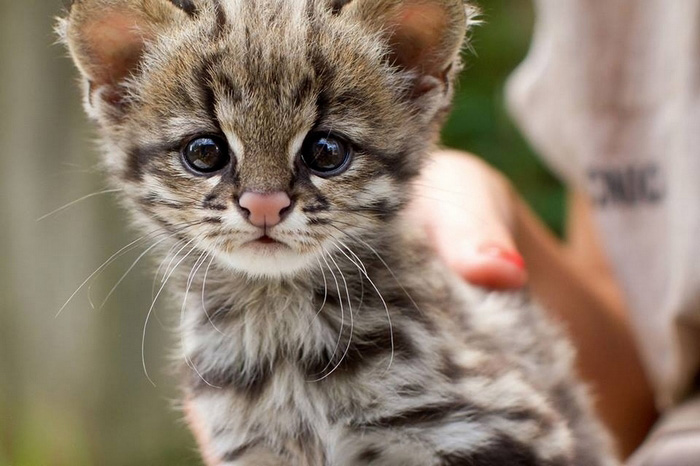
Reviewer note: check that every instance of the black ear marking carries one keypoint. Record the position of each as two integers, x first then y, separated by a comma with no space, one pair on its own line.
338,5
185,5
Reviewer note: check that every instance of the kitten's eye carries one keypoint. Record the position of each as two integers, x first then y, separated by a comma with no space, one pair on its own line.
206,154
326,155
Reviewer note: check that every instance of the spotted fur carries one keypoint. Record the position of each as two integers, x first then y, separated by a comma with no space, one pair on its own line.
351,344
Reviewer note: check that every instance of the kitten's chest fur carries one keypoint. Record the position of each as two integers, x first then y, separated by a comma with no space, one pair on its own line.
330,334
285,366
307,351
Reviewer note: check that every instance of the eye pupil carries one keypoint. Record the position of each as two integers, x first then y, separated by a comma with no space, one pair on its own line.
206,154
326,155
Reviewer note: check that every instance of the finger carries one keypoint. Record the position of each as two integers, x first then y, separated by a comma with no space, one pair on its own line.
492,267
469,219
481,250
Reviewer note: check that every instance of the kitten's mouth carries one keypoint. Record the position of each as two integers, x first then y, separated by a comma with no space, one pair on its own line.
266,240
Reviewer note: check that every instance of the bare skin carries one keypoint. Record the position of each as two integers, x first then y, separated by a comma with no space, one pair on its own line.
487,234
467,210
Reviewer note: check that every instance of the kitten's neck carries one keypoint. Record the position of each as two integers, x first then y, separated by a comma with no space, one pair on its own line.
358,294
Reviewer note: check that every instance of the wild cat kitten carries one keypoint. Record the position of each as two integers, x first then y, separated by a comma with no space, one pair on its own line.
271,145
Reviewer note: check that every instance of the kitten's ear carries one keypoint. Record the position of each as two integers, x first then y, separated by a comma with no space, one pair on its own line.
106,38
425,36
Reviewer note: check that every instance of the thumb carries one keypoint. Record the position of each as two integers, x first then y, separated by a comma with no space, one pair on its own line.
488,260
469,221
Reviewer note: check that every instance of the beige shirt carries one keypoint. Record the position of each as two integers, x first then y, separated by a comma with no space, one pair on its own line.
610,96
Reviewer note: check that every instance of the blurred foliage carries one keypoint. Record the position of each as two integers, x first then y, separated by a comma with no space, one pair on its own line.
113,423
480,122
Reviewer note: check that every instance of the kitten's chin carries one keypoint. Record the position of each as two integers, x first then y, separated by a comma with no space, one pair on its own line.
269,261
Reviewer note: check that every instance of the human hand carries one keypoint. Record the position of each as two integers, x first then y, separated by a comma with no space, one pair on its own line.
468,211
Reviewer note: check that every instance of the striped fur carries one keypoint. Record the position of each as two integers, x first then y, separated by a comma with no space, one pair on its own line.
351,345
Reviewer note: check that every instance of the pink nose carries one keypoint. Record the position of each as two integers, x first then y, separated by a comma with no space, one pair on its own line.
264,210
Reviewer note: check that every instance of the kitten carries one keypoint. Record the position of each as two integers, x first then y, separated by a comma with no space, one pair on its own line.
270,145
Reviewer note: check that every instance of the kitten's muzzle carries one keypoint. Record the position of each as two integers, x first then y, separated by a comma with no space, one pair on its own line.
265,210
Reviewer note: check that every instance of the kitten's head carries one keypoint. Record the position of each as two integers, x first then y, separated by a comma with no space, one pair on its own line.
263,131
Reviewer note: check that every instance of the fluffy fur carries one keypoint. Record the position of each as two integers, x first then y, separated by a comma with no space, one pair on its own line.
347,342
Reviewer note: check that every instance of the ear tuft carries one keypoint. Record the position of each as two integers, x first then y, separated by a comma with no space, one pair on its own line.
107,38
425,36
112,44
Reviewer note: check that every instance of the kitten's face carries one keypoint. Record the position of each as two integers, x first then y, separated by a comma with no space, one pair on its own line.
267,132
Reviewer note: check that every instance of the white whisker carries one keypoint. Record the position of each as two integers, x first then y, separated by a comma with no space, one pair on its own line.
204,305
195,268
362,269
192,366
71,204
138,259
165,274
325,287
160,266
342,316
153,304
352,320
396,279
104,265
386,308
325,298
352,253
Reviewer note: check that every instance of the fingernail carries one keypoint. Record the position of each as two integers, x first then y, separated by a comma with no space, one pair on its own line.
508,255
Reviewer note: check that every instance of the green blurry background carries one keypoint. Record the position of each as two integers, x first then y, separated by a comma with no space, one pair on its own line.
72,389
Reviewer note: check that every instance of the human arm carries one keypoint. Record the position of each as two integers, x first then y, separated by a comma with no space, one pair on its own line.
481,211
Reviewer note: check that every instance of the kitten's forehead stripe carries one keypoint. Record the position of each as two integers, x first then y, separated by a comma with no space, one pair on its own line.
303,90
208,94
